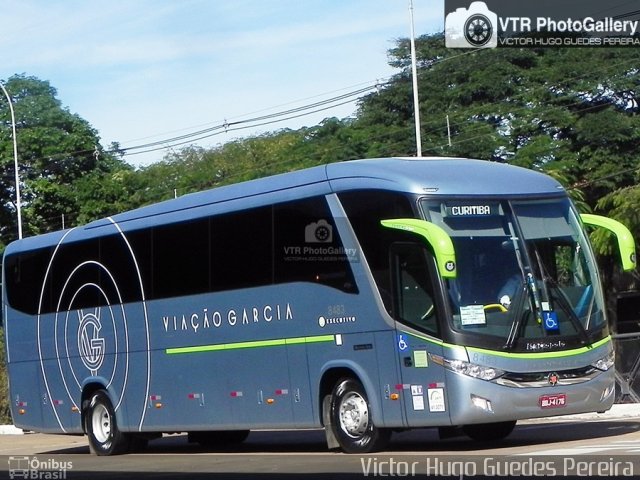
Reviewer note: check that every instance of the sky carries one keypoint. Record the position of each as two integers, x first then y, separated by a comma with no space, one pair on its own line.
141,71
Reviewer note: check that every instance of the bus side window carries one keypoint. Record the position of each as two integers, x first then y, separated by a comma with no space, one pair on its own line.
302,230
365,209
413,300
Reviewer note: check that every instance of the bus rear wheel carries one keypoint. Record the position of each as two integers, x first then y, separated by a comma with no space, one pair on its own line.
489,432
102,430
351,420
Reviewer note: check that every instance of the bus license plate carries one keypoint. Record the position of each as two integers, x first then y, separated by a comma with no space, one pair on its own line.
553,401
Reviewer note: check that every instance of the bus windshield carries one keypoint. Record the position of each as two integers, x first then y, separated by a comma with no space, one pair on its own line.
527,279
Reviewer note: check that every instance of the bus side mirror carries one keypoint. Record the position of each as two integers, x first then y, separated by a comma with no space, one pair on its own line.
626,244
436,237
628,312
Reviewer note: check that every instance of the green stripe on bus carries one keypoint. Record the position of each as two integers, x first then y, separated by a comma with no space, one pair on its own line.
541,355
529,355
253,344
319,338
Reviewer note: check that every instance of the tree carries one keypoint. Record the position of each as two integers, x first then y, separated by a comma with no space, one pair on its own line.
56,149
569,112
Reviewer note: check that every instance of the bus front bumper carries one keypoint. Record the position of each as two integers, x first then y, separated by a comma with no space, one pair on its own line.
479,401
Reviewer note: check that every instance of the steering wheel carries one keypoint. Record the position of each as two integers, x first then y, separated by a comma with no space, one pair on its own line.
496,306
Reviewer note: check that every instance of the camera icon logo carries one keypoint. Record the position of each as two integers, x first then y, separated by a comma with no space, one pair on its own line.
318,232
474,27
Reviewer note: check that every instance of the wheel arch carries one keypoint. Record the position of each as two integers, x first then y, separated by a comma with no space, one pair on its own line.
334,371
91,387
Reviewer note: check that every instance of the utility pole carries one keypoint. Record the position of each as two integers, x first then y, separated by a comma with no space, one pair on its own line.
414,71
15,160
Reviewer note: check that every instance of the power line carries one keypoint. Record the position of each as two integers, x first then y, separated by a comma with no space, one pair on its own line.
250,123
226,129
284,115
266,109
310,109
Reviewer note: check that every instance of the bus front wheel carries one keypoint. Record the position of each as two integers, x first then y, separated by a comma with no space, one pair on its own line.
489,432
351,419
102,430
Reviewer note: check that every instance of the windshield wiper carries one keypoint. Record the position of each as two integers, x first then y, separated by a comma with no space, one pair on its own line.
516,325
564,303
536,306
558,294
535,296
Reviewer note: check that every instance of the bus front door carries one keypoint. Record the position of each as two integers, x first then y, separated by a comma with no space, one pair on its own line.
423,382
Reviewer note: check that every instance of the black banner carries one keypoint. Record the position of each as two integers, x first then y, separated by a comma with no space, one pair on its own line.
541,23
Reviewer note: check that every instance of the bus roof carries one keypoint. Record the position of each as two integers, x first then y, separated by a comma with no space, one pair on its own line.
428,176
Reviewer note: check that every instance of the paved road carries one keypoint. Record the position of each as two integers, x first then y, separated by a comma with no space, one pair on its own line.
578,447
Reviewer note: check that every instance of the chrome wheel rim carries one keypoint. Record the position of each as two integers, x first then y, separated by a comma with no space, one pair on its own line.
354,415
101,423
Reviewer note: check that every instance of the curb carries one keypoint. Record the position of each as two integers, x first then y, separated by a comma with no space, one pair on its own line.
10,430
619,410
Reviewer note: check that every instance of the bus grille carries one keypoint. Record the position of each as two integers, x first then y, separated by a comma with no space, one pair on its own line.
546,379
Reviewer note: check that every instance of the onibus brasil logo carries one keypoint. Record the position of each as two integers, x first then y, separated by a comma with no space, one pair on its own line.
36,468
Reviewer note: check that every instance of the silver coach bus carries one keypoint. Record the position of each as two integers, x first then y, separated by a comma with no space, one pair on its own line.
364,297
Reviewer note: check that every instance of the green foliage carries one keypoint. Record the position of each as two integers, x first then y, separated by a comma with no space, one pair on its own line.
623,205
571,113
56,149
5,414
568,110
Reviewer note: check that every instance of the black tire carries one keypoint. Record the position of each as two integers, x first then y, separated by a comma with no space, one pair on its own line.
102,430
351,420
489,432
218,438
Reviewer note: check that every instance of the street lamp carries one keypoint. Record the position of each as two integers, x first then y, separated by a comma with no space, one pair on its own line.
15,160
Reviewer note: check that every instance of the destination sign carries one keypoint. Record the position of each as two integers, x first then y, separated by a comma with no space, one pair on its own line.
477,210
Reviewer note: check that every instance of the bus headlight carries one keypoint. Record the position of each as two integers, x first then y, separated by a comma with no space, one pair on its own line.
606,362
472,369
